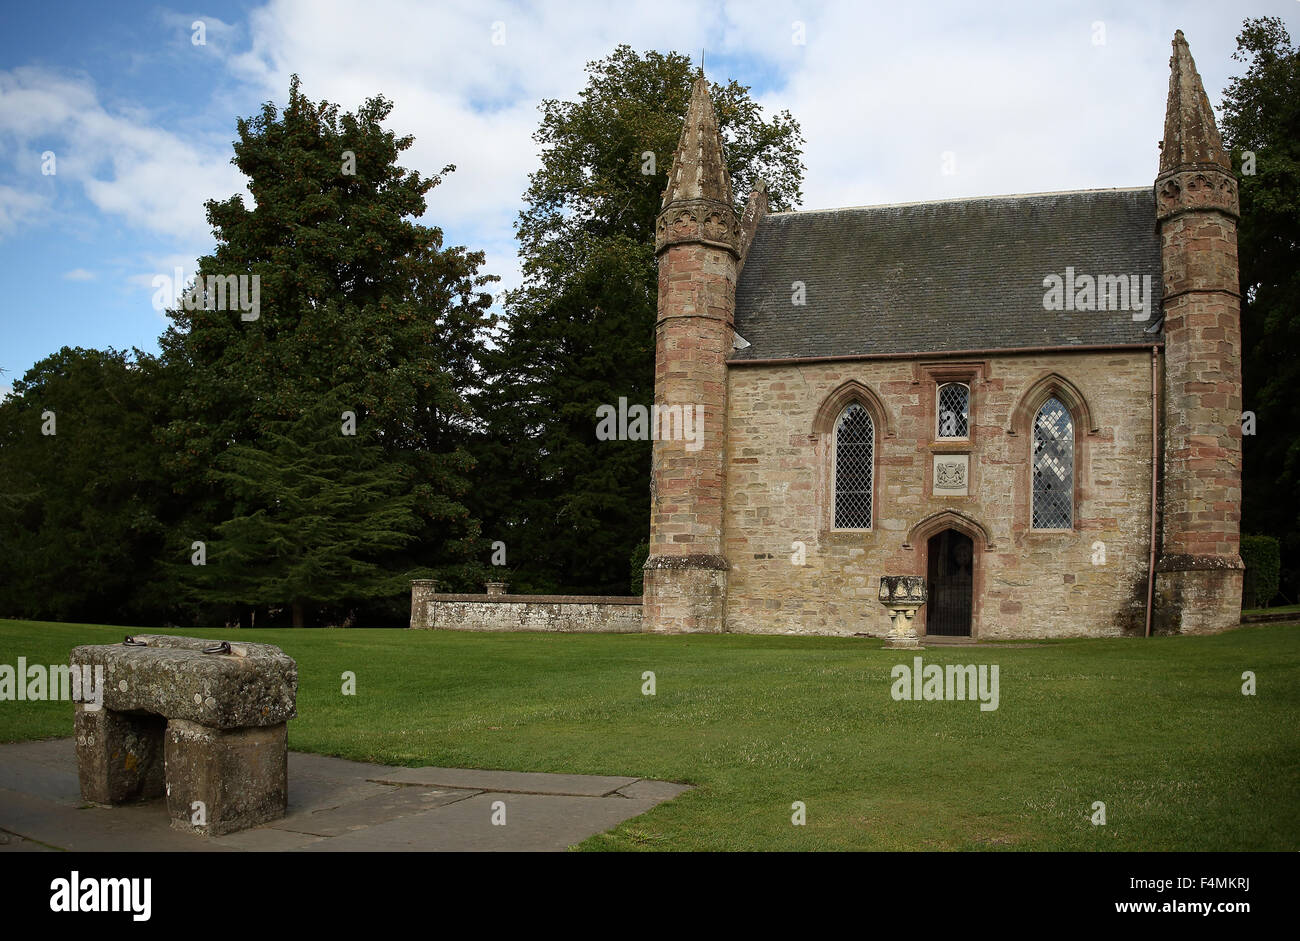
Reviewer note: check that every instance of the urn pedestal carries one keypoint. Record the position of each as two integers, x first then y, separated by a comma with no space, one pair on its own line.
902,595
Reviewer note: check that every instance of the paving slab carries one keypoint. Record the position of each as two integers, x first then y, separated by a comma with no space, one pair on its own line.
47,768
348,815
316,785
16,844
334,805
653,790
533,823
265,840
142,827
508,782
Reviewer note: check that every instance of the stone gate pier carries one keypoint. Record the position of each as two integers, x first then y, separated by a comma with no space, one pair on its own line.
201,722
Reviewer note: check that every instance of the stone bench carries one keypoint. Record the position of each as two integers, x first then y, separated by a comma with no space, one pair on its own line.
205,729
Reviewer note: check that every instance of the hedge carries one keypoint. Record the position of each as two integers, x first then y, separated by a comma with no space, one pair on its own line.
1263,558
639,555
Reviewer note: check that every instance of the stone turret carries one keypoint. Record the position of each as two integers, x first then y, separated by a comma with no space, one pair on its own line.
698,245
1199,574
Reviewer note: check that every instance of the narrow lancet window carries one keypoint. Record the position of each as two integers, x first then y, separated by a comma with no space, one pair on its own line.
855,445
1053,467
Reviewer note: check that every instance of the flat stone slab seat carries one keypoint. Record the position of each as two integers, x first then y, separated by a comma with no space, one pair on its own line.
196,720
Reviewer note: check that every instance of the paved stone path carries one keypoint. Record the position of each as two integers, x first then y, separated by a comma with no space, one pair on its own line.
333,805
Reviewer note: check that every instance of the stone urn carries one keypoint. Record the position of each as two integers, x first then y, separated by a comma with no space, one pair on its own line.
496,588
902,595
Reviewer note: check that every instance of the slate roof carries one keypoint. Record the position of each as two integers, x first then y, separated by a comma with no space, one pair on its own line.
961,274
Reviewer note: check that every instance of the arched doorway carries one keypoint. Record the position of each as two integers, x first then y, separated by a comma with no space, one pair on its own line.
951,556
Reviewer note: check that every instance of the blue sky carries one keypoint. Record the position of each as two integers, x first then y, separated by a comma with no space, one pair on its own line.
1020,97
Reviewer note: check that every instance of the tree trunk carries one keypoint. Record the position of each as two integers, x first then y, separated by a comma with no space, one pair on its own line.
299,611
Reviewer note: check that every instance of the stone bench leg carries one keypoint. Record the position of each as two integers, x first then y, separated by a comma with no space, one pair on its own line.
119,755
239,776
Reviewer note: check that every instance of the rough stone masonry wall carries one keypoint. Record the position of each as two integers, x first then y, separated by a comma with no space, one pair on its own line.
1203,322
568,614
685,578
1028,584
697,285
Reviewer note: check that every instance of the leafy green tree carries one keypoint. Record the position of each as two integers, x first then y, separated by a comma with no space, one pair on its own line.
581,328
1262,120
358,305
85,507
314,509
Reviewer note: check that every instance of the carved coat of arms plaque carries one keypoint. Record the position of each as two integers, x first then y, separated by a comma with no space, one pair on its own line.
950,475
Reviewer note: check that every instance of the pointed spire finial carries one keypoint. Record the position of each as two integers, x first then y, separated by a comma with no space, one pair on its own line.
1191,136
699,170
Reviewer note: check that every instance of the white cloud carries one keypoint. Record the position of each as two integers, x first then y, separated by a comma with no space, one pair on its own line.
155,265
150,177
78,274
17,207
1022,97
215,32
465,100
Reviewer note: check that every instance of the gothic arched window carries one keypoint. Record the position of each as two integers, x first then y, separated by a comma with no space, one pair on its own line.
855,447
1053,466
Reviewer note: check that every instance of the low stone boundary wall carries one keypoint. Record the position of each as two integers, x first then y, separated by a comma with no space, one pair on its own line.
1269,617
565,614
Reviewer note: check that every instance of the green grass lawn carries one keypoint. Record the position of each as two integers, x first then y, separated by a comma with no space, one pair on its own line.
1280,609
1157,729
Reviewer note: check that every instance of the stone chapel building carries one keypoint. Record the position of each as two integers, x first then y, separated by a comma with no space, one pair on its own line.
1033,401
